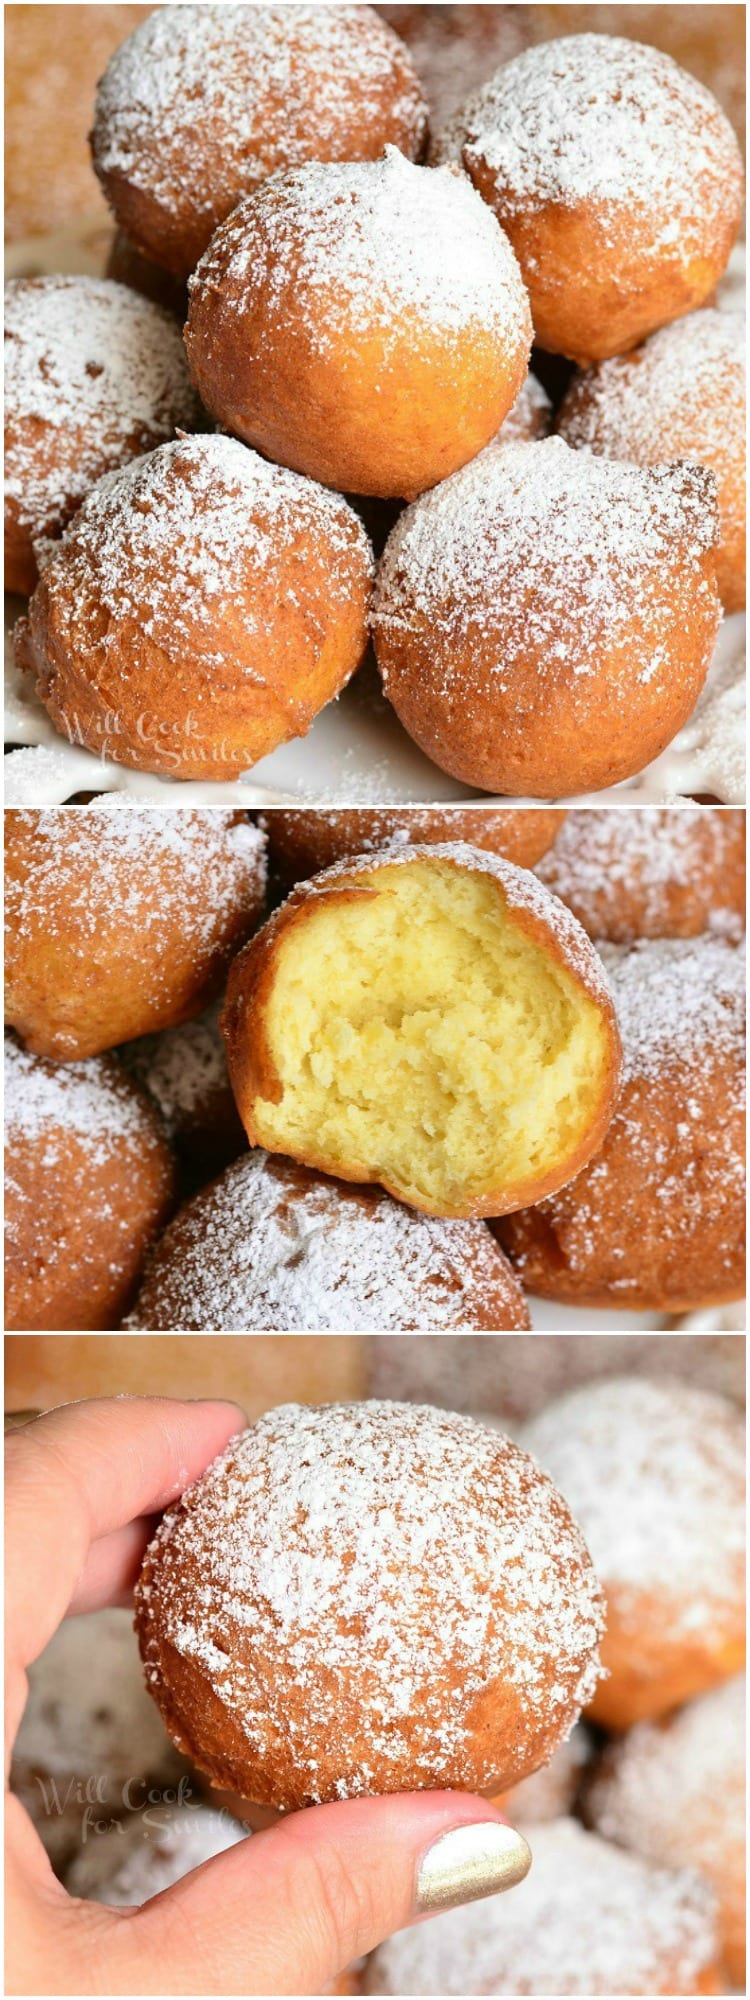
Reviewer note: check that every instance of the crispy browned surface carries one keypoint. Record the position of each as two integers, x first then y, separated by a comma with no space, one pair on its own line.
662,1676
577,300
145,701
638,1257
505,1732
77,1235
615,893
54,57
73,990
609,1238
252,1069
709,427
300,843
176,228
372,409
546,729
256,1372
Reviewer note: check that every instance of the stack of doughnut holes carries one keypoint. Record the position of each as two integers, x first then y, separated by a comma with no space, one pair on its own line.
117,955
364,291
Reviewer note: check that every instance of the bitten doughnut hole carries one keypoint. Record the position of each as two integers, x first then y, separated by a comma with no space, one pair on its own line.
401,1022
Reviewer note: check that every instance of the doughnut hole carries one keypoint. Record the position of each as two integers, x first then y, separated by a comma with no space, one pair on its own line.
364,323
419,1036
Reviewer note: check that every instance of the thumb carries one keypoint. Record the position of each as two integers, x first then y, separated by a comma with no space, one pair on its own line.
289,1909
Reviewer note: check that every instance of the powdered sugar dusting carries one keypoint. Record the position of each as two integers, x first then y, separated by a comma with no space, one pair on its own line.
366,244
596,119
87,1711
684,385
586,1919
659,1211
679,1002
173,539
340,1574
184,1068
676,1790
537,546
128,862
189,72
276,1248
529,418
654,1474
89,1100
94,375
133,1862
639,871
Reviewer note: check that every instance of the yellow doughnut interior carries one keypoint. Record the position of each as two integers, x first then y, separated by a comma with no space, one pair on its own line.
423,1040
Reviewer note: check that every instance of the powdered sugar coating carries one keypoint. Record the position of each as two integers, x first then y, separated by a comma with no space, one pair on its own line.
586,1919
277,1248
145,1855
367,245
94,376
680,1003
92,1101
610,123
530,417
255,80
643,872
663,400
88,1722
675,1791
184,1068
552,1791
121,860
537,546
351,1581
654,1474
174,541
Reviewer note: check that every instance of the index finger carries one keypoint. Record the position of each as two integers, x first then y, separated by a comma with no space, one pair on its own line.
81,1472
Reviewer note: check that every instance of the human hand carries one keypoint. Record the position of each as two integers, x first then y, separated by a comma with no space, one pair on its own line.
284,1912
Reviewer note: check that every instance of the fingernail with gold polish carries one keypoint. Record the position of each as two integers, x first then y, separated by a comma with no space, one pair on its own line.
471,1861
